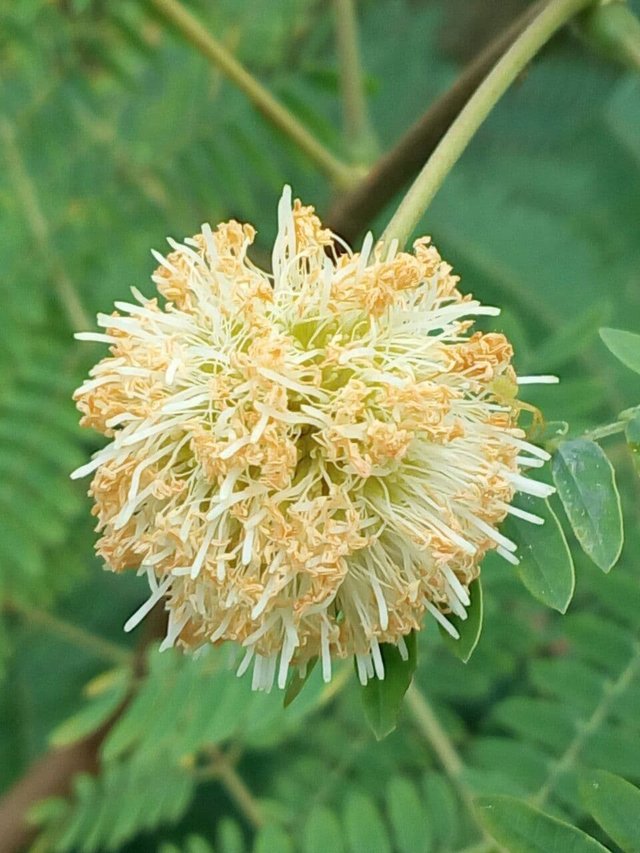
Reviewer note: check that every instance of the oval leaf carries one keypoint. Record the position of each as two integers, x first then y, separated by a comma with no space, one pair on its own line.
407,816
615,805
382,698
546,565
523,829
364,826
469,629
271,838
92,716
586,484
624,345
322,832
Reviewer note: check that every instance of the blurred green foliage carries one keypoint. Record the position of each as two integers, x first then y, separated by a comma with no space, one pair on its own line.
114,134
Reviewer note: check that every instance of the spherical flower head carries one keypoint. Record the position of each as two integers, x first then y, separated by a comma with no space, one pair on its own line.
306,461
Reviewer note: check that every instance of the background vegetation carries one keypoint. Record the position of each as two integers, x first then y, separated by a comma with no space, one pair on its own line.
115,133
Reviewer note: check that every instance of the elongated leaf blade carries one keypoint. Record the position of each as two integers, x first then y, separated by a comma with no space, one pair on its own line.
469,629
586,484
298,682
363,825
322,832
624,345
382,698
615,805
546,565
523,829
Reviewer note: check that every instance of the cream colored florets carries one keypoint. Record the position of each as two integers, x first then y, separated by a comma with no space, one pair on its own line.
303,462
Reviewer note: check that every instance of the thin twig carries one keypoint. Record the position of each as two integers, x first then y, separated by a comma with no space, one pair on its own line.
440,742
554,16
587,728
275,112
222,769
605,431
86,640
356,120
28,197
354,210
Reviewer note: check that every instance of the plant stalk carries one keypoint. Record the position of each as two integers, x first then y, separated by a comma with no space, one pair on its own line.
27,196
605,431
554,15
356,121
83,639
222,769
439,740
278,115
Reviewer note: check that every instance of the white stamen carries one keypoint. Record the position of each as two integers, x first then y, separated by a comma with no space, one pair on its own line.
376,654
457,587
362,669
142,611
522,513
530,487
325,651
508,556
98,337
402,648
527,462
171,371
442,619
246,661
537,380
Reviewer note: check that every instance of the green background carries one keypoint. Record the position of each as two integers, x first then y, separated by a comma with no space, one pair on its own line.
115,134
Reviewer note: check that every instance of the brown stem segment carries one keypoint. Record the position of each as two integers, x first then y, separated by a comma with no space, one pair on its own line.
355,209
50,776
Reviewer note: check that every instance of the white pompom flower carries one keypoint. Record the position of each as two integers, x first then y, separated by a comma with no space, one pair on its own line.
303,462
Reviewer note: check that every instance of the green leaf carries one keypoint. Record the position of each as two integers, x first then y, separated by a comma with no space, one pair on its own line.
586,484
93,715
364,828
546,566
469,628
382,698
523,829
615,805
569,341
407,816
272,839
53,808
613,30
322,832
229,837
298,682
624,345
443,810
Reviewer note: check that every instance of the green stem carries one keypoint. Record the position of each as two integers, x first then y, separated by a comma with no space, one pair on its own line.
72,634
589,727
605,431
26,194
192,30
356,122
555,14
447,755
222,769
